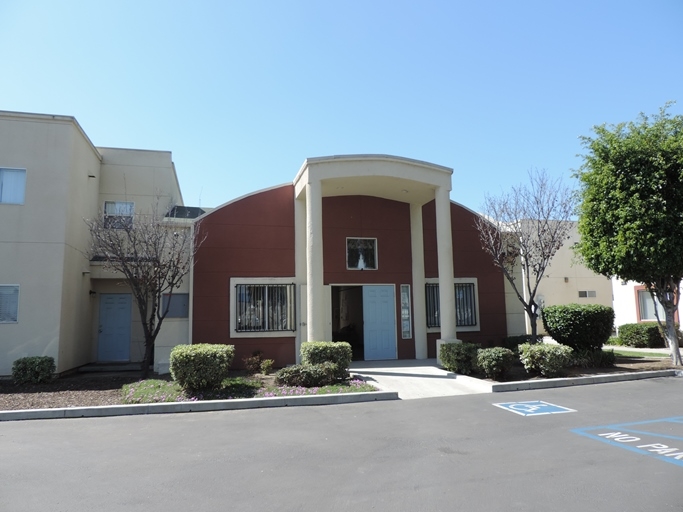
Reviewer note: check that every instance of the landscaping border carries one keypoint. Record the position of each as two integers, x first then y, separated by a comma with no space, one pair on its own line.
198,406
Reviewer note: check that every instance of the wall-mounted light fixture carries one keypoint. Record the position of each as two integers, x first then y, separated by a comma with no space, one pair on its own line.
92,292
566,279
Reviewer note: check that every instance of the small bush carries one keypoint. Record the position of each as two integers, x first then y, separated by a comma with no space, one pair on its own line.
253,364
645,335
512,342
593,358
307,375
202,366
494,362
459,357
614,341
267,366
548,360
33,370
579,326
338,353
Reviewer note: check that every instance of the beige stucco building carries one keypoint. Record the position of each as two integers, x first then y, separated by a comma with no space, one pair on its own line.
568,281
53,300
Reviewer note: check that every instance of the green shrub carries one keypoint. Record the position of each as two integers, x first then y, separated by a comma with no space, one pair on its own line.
548,360
459,357
253,364
512,342
33,370
337,352
593,358
267,366
645,335
614,341
202,366
579,326
307,375
495,361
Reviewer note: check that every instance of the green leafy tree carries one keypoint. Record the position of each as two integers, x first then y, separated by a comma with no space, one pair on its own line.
631,210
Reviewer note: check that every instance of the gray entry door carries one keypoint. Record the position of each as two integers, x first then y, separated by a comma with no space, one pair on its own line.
379,322
114,328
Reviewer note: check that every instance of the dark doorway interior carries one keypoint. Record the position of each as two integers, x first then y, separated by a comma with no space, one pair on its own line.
347,318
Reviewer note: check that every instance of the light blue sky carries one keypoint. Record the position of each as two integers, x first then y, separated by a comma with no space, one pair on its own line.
242,92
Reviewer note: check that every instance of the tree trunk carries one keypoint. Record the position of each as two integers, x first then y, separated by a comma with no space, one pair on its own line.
147,360
672,335
533,321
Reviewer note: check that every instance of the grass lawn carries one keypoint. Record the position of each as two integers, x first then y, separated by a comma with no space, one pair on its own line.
158,390
625,352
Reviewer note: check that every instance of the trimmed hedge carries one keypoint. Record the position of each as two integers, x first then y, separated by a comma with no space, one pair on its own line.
336,352
495,361
33,370
512,342
459,357
308,375
201,367
322,363
593,358
579,326
548,360
645,335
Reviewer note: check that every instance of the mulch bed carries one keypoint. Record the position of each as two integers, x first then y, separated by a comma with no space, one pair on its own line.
93,389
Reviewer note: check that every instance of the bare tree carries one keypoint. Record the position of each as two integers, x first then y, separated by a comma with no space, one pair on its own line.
527,226
154,254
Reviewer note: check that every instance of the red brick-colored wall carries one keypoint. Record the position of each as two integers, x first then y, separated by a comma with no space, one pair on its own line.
469,260
251,237
370,217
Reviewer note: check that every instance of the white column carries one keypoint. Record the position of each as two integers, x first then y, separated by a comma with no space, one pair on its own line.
300,271
419,305
314,262
444,243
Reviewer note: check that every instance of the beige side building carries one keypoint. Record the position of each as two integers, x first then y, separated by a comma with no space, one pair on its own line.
568,281
53,300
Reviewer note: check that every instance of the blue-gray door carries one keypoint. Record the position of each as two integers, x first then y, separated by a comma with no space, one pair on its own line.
114,328
379,322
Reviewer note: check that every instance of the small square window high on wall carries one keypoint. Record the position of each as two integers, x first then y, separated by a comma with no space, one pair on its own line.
12,186
9,304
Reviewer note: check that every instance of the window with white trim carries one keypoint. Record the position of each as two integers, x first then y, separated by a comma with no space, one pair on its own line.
265,307
583,294
465,304
118,214
9,303
179,306
12,186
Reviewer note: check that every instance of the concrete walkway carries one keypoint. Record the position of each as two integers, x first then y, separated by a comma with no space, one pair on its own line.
417,378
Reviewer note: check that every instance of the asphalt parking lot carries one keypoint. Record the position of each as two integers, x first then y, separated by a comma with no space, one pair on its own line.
434,454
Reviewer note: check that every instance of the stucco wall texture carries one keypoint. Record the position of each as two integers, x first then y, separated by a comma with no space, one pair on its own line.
254,237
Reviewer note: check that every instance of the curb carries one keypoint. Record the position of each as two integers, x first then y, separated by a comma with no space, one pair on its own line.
581,381
200,406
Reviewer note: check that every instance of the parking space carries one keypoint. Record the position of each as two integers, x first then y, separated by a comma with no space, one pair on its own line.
445,453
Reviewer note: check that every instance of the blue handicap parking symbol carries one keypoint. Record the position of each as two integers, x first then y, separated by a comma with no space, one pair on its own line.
533,408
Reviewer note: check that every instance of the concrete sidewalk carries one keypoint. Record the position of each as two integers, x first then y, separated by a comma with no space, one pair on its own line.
424,379
417,378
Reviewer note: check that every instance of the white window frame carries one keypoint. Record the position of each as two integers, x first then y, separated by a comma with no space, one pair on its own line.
406,312
361,238
459,280
587,294
234,281
23,192
18,288
109,219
